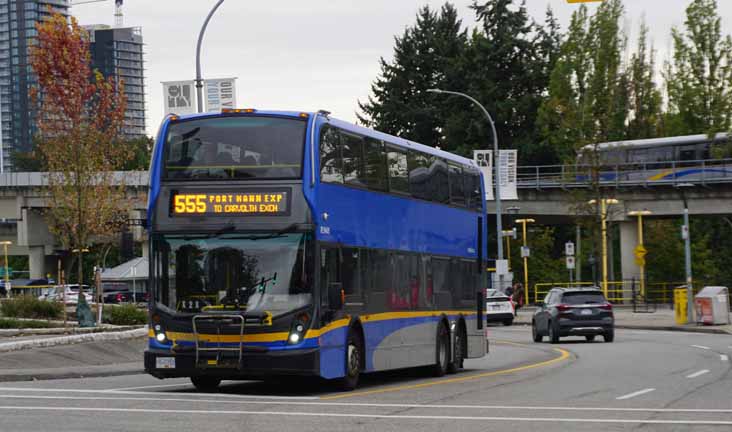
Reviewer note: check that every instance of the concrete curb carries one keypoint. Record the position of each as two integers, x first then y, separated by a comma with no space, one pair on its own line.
62,330
66,374
74,339
707,330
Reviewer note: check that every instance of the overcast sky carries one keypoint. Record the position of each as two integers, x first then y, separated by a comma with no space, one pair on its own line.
310,55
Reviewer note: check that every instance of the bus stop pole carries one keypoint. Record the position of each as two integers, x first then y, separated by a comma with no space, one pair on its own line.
199,79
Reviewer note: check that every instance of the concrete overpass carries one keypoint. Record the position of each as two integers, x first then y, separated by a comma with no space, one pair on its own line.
553,200
22,202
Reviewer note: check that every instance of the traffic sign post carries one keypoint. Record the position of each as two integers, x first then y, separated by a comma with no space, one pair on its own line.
570,266
569,249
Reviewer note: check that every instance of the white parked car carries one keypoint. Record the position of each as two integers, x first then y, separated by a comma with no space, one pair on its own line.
72,294
499,307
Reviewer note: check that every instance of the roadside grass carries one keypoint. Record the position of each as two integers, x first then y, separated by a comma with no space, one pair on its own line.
31,307
124,315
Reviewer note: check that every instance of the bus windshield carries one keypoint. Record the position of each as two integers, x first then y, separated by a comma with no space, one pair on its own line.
235,148
252,272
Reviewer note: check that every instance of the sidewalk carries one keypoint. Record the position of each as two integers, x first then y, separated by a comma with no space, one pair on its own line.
75,356
625,318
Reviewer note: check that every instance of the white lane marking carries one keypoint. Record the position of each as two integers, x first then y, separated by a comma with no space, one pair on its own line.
125,392
634,394
380,416
150,387
723,357
701,347
377,405
699,373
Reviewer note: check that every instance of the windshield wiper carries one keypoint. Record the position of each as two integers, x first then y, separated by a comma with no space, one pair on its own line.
242,295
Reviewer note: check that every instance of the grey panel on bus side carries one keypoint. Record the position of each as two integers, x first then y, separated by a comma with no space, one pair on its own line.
416,346
407,347
299,210
477,345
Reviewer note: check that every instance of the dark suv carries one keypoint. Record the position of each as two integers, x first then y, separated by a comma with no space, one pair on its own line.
573,312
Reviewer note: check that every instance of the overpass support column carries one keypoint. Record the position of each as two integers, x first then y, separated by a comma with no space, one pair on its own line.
37,261
628,242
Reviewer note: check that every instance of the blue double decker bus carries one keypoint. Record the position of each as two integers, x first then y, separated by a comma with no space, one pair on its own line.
288,243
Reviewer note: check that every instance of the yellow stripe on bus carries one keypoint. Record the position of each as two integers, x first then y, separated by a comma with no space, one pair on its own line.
314,333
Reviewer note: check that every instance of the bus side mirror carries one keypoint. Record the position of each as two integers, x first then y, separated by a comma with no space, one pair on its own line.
335,296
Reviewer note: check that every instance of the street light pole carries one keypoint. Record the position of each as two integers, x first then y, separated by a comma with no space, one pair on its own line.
199,79
5,244
497,188
604,202
523,223
687,255
641,259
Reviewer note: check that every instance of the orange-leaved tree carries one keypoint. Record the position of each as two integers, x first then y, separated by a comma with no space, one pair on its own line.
80,115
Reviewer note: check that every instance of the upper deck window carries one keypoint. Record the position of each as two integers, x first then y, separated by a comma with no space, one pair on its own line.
235,148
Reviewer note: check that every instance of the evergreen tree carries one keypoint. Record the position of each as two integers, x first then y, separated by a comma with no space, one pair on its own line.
425,56
699,77
507,66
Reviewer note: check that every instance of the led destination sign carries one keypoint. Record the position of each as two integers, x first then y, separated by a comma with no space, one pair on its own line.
249,203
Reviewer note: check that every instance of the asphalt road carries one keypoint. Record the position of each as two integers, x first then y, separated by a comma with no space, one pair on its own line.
648,380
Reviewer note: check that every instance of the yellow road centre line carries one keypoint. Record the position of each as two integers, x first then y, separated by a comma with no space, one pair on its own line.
564,355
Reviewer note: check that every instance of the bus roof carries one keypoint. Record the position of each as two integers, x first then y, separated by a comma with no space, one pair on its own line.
658,142
355,129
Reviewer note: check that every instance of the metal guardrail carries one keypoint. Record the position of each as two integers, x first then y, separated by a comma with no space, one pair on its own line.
624,291
706,171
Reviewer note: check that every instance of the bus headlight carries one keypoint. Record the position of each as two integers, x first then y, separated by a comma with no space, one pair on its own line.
159,333
297,331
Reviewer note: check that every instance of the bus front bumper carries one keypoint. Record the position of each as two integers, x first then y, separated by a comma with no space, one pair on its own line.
165,364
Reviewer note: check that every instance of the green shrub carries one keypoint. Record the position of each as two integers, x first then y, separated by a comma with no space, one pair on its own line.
125,315
10,323
31,307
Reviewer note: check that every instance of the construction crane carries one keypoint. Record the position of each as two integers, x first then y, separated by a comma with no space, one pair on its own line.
118,20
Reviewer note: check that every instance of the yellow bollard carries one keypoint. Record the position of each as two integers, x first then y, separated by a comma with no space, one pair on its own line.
680,305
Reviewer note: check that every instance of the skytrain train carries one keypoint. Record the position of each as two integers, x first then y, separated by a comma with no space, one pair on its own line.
690,158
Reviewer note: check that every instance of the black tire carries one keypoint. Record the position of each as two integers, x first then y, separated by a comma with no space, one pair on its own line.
508,322
458,345
535,333
206,383
609,335
590,338
442,344
353,362
553,333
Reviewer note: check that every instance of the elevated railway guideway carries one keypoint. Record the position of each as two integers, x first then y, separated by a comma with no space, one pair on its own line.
23,196
556,194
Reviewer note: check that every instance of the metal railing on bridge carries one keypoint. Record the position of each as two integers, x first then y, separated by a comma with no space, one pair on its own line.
623,292
706,171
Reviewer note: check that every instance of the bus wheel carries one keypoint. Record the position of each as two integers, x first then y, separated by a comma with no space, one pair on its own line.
457,346
206,383
353,362
442,344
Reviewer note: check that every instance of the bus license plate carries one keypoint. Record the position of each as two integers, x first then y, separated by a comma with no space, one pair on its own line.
165,362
